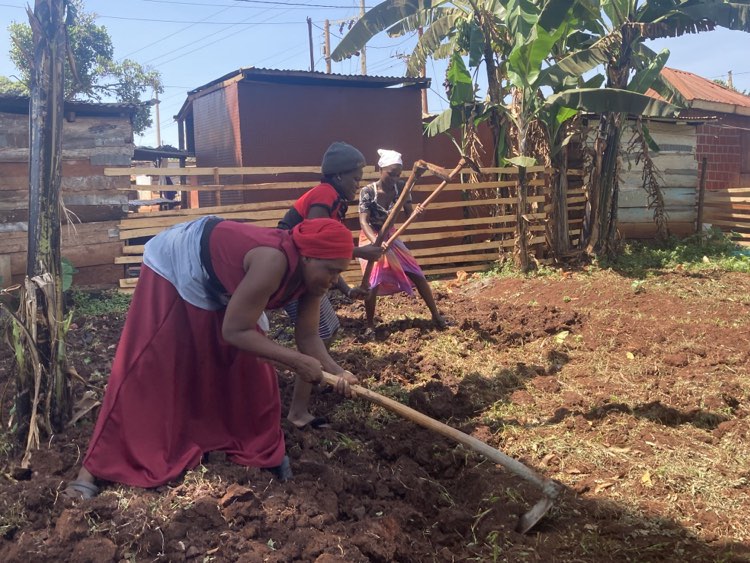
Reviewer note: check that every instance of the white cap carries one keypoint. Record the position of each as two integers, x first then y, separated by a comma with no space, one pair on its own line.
389,158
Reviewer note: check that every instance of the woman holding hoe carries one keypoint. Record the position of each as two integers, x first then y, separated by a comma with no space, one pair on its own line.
397,270
341,171
192,371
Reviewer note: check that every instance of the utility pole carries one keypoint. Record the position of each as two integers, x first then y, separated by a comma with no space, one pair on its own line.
309,36
729,80
363,52
158,121
327,47
423,74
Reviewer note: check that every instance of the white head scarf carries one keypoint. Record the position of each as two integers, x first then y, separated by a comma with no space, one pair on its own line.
389,158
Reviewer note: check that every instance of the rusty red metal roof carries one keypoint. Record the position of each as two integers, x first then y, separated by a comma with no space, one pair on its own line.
696,88
313,77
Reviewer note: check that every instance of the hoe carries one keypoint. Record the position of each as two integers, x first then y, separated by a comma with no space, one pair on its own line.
550,489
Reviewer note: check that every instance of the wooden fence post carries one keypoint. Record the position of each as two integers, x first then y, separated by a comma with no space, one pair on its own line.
5,273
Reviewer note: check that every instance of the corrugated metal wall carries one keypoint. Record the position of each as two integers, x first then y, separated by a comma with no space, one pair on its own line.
678,170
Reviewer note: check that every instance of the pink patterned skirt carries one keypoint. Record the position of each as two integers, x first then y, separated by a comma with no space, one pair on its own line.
389,275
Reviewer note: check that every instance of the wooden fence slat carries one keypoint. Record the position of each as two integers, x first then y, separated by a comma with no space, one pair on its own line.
473,256
221,170
715,198
138,233
472,221
456,248
443,235
283,204
731,224
170,221
272,170
476,185
722,214
738,190
234,187
128,259
309,184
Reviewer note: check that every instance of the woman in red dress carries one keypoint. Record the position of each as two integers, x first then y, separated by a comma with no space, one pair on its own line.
191,373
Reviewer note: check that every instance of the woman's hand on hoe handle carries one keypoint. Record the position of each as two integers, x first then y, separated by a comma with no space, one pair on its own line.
343,386
369,252
311,370
359,292
308,368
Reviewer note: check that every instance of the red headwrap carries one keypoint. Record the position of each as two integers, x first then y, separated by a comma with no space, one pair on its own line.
326,239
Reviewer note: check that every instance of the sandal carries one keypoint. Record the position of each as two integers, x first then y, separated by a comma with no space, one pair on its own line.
440,323
282,472
316,424
79,489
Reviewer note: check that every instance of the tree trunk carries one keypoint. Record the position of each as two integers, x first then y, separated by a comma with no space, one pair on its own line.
604,187
495,93
522,240
43,390
559,230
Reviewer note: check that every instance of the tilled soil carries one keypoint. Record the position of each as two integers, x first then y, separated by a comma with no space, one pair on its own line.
632,394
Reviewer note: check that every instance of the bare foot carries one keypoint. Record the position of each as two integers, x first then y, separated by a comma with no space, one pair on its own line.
440,322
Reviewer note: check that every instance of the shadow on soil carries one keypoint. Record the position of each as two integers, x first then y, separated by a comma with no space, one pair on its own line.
653,411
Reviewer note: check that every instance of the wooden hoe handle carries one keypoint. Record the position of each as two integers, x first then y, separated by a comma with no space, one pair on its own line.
460,166
495,455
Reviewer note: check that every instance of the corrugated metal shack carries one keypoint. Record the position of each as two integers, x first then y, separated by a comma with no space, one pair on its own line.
94,136
677,177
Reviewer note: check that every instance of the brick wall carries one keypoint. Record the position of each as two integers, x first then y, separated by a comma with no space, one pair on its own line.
720,143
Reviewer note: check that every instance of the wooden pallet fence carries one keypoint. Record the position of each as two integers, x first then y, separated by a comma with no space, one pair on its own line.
466,228
729,210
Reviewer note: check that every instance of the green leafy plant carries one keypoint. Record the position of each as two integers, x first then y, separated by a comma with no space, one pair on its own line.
97,303
698,252
67,274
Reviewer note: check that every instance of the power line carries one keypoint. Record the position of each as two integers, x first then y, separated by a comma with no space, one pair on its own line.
199,48
202,22
303,4
281,5
197,40
171,34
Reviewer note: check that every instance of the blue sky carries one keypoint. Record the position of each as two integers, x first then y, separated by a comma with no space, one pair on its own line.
192,42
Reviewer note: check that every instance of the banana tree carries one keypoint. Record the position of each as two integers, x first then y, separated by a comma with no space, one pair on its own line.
43,398
473,28
538,31
625,25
